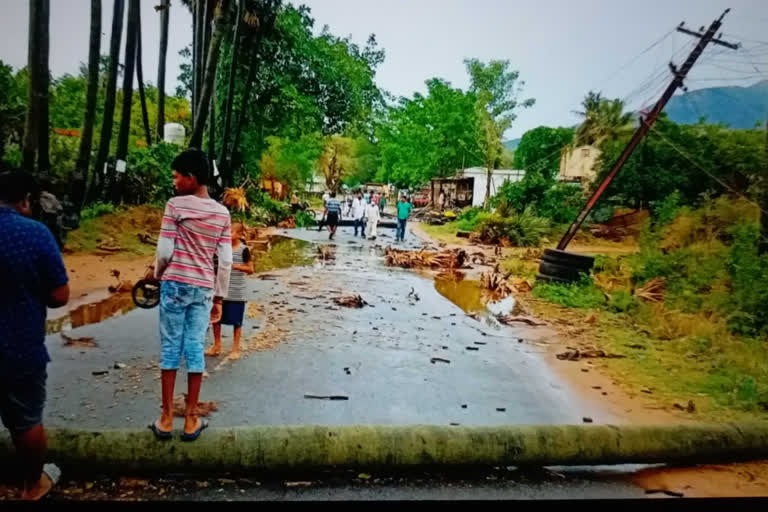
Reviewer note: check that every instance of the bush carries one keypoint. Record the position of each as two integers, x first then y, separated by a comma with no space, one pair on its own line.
304,219
150,178
264,209
747,307
621,301
582,294
97,210
559,202
520,229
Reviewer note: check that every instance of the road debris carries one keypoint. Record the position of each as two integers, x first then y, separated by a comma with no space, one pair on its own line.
448,259
350,301
576,355
472,348
586,419
510,319
327,397
82,342
99,372
203,408
439,360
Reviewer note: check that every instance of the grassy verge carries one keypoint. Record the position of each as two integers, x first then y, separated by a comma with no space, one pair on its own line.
120,228
445,233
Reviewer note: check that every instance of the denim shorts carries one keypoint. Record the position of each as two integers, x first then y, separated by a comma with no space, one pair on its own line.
185,311
22,399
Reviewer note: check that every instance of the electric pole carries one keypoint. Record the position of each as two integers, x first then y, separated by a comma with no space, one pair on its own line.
647,122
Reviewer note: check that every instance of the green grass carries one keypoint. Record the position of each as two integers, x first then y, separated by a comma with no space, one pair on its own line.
120,228
445,233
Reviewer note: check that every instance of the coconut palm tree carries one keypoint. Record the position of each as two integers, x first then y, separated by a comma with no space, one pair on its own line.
86,138
130,63
164,8
140,81
604,120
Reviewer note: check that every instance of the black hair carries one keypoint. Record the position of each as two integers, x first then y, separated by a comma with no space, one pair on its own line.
15,185
192,162
333,194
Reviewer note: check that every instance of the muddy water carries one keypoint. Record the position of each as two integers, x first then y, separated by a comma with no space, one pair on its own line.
280,252
114,305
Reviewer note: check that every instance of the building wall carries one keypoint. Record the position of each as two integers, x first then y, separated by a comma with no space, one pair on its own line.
498,178
578,164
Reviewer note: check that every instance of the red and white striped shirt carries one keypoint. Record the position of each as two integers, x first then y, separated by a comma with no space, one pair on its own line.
199,228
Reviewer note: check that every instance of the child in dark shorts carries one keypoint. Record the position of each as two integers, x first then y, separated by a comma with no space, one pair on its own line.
233,309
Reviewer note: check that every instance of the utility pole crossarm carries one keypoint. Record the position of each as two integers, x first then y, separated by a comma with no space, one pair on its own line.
732,46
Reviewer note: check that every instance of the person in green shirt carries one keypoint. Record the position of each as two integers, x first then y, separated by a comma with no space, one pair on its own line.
403,212
382,203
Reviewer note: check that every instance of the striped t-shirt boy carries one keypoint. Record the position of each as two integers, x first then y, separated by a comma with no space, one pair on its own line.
199,228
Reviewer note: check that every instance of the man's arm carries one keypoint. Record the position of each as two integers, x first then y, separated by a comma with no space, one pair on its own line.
166,242
53,272
224,255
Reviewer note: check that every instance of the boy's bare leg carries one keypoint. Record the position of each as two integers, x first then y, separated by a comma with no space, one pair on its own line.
235,354
168,382
191,422
215,350
31,447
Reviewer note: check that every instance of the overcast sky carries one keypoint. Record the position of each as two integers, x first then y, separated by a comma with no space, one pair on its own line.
562,48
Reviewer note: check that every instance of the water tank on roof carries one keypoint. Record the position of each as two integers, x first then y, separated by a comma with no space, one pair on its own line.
174,133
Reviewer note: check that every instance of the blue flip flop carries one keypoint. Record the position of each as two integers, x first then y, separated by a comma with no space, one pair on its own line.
194,435
161,435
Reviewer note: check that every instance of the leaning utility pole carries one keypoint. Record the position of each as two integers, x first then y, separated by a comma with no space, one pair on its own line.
647,122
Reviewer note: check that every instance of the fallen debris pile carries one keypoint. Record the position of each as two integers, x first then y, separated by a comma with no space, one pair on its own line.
203,408
85,341
576,355
504,284
653,290
448,259
350,301
511,319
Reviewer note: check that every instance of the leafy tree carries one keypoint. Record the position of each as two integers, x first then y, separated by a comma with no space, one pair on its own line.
292,161
428,136
539,150
497,91
13,106
337,161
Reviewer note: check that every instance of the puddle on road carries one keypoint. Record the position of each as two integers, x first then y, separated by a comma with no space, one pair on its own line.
114,305
280,252
471,297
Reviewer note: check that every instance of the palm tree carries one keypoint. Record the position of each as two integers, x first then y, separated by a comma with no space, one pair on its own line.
604,120
43,154
140,79
130,62
232,74
165,7
31,123
206,89
86,139
111,90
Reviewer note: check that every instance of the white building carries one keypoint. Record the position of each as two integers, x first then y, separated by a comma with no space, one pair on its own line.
578,164
316,185
479,176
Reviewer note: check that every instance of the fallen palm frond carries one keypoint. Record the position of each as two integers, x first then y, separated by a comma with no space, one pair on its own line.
449,259
653,290
350,301
234,199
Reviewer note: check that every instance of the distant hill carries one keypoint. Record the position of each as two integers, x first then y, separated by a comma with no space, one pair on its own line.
511,144
737,107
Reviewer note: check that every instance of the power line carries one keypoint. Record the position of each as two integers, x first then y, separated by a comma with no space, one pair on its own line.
656,132
634,59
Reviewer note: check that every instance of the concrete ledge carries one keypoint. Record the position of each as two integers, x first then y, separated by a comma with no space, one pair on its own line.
313,447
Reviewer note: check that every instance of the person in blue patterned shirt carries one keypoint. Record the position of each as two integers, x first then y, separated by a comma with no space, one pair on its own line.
33,278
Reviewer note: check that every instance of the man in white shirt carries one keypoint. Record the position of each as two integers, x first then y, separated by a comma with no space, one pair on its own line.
371,219
358,213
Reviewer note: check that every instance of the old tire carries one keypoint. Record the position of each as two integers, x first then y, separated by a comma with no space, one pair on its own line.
563,267
561,271
146,294
541,278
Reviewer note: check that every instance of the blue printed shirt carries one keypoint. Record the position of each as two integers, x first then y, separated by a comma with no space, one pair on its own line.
31,267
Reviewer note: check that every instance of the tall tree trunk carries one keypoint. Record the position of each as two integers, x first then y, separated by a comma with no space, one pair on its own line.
86,139
165,7
44,129
210,74
195,48
140,78
232,75
31,139
130,61
227,172
111,93
212,131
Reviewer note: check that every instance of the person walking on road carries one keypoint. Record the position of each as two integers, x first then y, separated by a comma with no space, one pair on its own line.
332,214
195,228
33,279
322,222
403,212
233,307
372,220
382,203
358,213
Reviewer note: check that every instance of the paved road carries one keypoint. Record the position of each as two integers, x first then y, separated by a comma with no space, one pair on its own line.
378,356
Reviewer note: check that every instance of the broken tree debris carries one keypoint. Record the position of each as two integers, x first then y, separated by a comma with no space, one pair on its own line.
327,397
350,301
84,341
439,360
203,408
576,355
510,319
448,259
